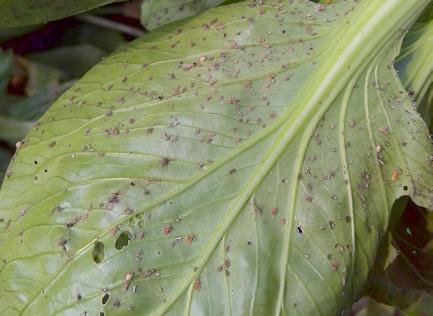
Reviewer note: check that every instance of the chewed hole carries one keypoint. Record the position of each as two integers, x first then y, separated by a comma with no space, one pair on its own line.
105,298
122,240
405,188
101,314
98,252
300,229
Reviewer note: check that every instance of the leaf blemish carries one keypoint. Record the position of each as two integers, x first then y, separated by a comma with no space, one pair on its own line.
122,240
165,161
98,253
105,298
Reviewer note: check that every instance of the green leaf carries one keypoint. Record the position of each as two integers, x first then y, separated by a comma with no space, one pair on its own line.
31,108
5,69
104,39
74,60
415,64
9,33
374,308
5,157
415,61
155,13
15,13
241,162
12,130
407,282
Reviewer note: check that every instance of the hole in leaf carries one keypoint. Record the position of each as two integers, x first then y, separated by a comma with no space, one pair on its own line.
105,298
405,188
122,240
300,229
101,314
98,253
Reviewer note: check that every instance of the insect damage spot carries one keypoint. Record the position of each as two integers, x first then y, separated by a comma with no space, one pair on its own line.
165,162
122,240
105,299
197,284
98,252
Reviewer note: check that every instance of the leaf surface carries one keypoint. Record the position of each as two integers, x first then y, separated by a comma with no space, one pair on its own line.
155,13
241,162
415,63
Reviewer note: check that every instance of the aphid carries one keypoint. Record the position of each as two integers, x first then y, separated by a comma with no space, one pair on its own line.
127,280
334,266
191,238
395,174
167,229
62,243
378,148
384,130
203,59
197,284
233,100
165,162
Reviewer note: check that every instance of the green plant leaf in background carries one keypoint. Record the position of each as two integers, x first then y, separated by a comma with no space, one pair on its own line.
15,13
234,163
407,282
415,64
155,13
374,308
5,69
18,113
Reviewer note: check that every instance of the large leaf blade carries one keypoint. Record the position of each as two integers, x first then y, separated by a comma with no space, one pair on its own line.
237,148
157,13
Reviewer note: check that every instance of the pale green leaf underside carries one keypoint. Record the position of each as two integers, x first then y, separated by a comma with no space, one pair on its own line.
15,13
415,65
155,13
251,154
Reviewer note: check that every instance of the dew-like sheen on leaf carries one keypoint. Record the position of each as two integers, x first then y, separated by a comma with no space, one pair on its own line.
242,162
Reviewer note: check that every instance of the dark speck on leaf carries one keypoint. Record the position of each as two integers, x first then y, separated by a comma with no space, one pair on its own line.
165,162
